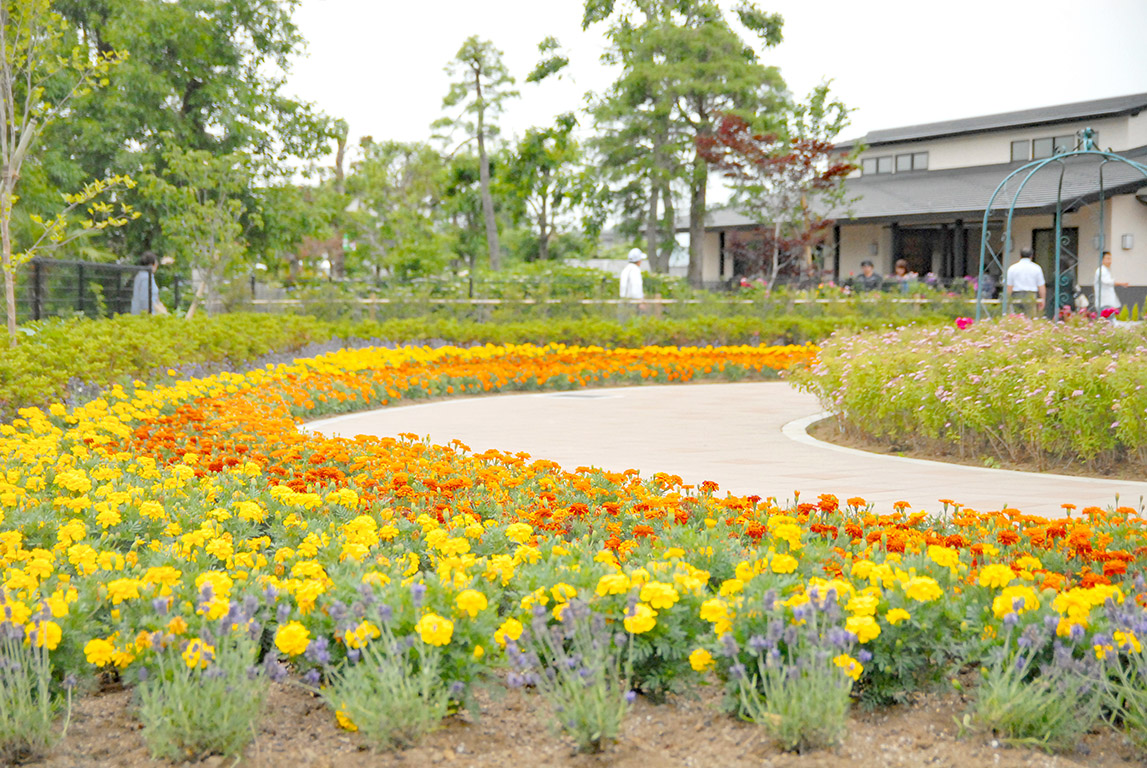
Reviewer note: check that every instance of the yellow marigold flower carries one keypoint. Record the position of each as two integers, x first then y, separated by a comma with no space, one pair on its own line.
345,722
996,575
563,592
730,587
1005,602
612,584
863,605
44,634
714,610
471,601
519,533
946,557
851,666
177,626
783,564
701,660
864,627
292,638
361,635
478,652
511,629
434,630
659,595
1127,641
1101,651
897,615
99,652
198,654
120,590
641,619
923,589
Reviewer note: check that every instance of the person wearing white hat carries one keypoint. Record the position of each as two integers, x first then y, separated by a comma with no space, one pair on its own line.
630,283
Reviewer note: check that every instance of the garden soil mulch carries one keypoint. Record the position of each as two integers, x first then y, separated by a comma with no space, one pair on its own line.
298,731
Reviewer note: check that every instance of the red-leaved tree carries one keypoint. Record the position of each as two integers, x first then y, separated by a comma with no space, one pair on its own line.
791,184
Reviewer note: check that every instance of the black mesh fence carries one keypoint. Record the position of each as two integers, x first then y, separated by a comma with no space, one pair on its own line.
57,288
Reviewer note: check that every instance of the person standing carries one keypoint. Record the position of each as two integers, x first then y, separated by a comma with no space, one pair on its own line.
144,291
1027,289
630,282
1105,295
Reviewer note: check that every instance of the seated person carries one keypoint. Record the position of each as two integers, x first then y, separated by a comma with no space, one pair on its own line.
868,280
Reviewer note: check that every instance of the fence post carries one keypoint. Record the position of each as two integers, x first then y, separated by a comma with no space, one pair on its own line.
175,299
37,289
252,285
80,279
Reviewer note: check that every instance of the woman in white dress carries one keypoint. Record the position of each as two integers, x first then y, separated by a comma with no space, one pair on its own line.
1105,295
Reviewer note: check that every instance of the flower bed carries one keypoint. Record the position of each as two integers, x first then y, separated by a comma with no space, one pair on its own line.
1055,394
191,541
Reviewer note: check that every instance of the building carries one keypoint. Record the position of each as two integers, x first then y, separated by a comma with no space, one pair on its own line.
921,192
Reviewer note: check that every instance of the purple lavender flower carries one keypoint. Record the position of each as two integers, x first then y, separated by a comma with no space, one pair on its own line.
630,696
757,644
159,605
283,613
275,671
417,592
312,678
737,671
318,651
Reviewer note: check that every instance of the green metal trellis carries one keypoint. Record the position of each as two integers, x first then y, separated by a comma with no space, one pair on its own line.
1086,148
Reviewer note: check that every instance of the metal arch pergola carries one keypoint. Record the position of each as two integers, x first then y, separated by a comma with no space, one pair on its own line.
1086,149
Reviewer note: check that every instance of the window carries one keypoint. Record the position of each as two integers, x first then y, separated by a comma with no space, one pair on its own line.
1021,150
916,161
1064,144
884,164
1042,148
868,166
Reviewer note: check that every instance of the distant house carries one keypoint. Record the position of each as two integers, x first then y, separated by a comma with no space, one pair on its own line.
922,191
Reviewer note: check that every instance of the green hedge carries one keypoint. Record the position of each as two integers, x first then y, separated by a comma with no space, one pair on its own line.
62,359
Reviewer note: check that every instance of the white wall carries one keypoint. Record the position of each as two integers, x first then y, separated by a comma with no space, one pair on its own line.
993,148
856,245
1128,216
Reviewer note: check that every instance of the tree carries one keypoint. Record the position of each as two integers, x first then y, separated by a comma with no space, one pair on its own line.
483,86
697,68
397,189
541,176
789,182
202,220
42,72
202,75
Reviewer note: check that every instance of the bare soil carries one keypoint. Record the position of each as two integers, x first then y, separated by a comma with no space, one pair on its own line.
509,732
829,431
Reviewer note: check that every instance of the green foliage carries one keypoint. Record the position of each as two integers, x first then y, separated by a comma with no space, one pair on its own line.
1051,710
202,218
394,694
190,712
28,706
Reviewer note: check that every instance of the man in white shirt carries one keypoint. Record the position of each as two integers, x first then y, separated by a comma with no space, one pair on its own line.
1105,295
1026,287
630,283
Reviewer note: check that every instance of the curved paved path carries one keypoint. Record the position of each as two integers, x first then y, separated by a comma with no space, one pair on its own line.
749,438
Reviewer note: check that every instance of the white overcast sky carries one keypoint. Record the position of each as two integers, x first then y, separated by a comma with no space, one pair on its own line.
378,64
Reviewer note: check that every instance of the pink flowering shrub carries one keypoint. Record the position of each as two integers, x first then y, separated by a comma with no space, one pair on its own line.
1056,393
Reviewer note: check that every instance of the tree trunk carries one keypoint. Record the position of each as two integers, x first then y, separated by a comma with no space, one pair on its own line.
543,232
651,225
484,184
668,229
9,270
698,185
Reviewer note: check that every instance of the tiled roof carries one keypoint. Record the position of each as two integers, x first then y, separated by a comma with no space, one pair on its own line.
965,192
1098,108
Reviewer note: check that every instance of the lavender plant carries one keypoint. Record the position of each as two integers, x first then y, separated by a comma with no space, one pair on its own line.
799,675
1048,704
390,689
581,668
28,706
204,696
1125,665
